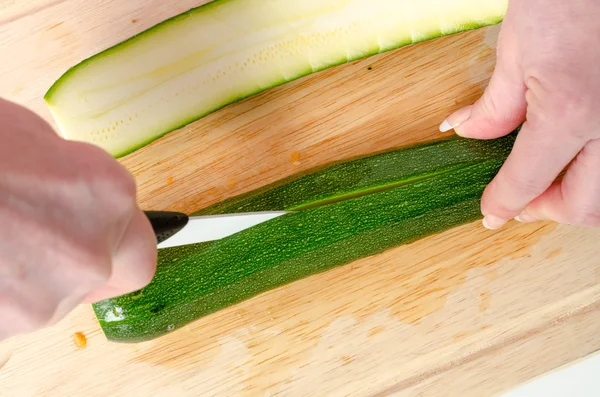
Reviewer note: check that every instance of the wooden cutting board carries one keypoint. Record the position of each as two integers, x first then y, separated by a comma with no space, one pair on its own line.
468,312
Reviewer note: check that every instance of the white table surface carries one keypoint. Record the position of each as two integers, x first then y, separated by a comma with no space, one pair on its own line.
579,379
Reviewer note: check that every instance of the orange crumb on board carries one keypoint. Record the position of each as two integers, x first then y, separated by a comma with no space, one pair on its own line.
80,339
134,20
295,158
170,180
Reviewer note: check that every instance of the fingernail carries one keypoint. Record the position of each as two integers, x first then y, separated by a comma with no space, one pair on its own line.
445,126
493,222
525,218
456,119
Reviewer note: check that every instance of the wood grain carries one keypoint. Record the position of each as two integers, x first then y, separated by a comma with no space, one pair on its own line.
468,312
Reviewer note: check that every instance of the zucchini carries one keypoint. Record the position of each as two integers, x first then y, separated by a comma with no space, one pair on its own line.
348,210
219,53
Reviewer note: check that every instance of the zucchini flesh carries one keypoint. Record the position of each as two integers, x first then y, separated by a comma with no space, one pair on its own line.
196,280
204,59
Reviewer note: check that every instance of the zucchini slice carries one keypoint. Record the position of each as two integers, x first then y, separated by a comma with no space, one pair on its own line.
208,57
394,198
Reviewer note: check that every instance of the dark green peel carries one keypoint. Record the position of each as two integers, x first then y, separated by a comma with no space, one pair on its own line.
348,178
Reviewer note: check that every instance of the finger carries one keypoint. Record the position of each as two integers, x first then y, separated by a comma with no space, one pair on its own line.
541,151
576,198
134,262
501,108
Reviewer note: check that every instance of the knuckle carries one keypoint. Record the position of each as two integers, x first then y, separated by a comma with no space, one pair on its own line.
571,107
113,179
109,181
585,216
582,208
573,113
122,189
121,182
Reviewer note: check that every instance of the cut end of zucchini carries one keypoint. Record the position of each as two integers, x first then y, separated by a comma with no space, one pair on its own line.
211,56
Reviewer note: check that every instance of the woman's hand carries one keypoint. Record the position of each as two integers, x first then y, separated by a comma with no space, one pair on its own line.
548,72
71,230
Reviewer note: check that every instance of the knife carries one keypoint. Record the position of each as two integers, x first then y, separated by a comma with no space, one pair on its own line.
174,229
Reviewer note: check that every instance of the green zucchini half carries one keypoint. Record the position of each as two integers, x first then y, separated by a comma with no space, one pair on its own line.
204,59
345,211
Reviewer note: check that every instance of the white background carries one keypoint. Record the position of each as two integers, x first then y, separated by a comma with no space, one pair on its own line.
579,379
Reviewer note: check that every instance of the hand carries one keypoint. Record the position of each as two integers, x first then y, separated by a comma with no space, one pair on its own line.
71,229
547,72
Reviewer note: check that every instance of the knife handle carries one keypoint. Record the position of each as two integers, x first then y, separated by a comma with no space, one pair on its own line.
166,223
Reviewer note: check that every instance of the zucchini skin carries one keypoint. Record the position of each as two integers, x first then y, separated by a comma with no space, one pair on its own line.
336,180
196,280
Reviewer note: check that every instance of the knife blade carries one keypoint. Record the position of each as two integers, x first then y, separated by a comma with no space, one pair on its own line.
174,229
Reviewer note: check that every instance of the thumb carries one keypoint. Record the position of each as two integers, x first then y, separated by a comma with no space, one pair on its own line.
575,199
500,110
